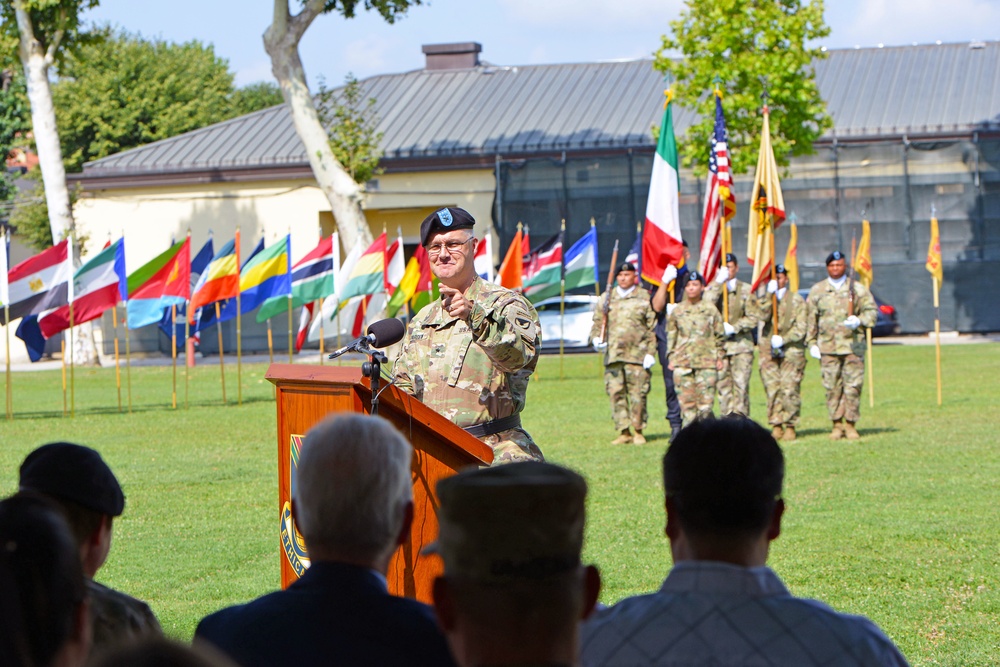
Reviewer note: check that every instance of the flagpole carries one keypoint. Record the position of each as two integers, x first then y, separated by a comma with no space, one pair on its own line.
319,311
6,330
562,294
173,353
270,343
937,335
774,295
187,350
222,360
118,370
871,368
291,342
722,263
62,345
72,363
288,249
128,360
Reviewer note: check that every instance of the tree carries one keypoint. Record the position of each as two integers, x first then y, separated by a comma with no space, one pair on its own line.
254,97
352,122
741,41
281,41
13,126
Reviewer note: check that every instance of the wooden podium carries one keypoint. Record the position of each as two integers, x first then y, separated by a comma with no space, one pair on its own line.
307,394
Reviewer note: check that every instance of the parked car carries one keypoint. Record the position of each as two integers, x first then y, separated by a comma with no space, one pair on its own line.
887,323
578,318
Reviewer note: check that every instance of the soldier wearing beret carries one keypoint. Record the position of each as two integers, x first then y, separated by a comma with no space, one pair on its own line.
514,590
628,346
695,348
839,311
783,355
469,354
740,325
78,480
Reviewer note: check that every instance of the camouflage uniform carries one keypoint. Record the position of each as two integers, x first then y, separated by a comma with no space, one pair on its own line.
782,375
843,350
737,364
117,617
475,371
695,340
630,338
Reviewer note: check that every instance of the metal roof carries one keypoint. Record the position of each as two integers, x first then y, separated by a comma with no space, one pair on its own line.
540,109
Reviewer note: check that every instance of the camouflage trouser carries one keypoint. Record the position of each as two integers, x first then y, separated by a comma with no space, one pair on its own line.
627,385
843,376
695,391
734,384
513,446
782,378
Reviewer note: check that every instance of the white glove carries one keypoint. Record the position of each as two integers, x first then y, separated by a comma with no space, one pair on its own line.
670,308
729,328
777,341
772,286
852,322
648,361
723,275
669,274
814,351
599,344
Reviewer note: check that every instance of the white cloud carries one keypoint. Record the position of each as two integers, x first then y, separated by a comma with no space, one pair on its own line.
894,22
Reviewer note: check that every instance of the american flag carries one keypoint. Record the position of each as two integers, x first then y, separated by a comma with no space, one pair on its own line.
720,204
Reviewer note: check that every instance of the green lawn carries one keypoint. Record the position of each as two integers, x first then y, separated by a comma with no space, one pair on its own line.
902,526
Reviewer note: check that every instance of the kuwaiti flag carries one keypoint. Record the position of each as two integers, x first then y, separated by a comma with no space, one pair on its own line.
767,209
368,274
40,282
221,280
161,283
661,240
97,286
483,259
581,262
312,279
545,269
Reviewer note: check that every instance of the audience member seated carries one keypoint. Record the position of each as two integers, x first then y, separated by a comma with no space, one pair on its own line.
159,652
78,480
44,620
353,504
513,590
721,604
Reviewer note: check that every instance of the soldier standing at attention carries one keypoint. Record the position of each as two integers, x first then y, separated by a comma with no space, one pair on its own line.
469,354
695,338
673,279
783,355
628,352
737,364
838,310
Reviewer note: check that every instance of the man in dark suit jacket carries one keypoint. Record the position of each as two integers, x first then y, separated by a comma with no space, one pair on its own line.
353,504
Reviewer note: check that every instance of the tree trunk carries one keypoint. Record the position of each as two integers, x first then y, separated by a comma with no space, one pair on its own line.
281,41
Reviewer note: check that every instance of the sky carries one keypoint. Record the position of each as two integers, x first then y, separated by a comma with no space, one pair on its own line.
512,32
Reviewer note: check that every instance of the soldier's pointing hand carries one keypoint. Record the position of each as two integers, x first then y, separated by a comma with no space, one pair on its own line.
455,303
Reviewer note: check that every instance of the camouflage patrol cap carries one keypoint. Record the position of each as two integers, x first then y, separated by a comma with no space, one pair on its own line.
694,275
780,268
730,257
74,473
834,256
515,522
445,219
625,266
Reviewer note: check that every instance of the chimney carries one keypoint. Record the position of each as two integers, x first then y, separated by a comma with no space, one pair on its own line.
460,55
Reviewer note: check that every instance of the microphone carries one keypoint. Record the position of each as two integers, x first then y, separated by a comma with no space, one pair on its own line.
380,334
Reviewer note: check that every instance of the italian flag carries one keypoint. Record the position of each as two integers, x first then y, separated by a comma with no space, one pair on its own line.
661,239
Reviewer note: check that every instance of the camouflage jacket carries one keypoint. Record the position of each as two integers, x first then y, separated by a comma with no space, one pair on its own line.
744,314
793,322
828,307
117,617
471,371
695,335
631,320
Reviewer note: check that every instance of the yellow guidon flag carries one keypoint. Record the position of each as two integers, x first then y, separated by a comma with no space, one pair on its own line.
792,259
863,258
767,210
934,253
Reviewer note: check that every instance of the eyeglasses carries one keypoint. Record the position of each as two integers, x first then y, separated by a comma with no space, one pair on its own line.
453,247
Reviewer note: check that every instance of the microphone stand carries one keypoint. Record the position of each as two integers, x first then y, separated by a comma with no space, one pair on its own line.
372,369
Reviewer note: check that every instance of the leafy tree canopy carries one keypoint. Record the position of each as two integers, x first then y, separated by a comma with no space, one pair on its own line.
56,26
390,10
351,123
255,96
741,42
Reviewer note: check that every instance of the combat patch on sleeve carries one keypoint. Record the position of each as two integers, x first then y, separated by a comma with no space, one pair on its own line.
523,323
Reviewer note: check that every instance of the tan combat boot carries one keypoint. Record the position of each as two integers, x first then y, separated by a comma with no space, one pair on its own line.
838,430
623,439
850,431
789,434
639,438
777,432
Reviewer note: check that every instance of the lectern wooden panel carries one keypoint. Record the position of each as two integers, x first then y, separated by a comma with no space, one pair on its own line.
307,394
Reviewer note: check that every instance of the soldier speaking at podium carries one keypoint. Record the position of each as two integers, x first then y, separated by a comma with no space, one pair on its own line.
469,354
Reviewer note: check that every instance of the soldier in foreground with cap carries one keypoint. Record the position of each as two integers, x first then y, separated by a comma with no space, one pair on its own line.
783,355
469,354
720,604
629,345
839,311
694,347
740,324
82,485
513,590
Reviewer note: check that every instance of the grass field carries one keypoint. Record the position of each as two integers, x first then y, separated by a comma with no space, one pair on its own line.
902,526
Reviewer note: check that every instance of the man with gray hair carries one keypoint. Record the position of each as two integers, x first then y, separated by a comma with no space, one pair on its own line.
353,503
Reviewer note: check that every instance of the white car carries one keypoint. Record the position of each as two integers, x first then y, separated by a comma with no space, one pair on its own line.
577,319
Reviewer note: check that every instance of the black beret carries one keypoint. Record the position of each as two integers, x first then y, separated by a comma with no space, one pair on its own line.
448,218
625,266
694,275
834,256
684,243
74,473
730,257
780,268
